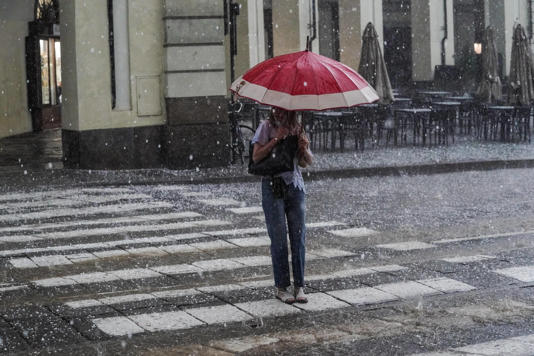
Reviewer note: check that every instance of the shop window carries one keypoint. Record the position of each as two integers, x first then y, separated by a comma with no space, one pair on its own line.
50,58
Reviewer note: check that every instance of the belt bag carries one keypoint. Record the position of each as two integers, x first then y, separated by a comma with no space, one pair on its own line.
279,160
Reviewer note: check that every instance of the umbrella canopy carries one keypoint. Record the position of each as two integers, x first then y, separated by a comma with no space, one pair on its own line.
304,81
521,70
372,65
490,88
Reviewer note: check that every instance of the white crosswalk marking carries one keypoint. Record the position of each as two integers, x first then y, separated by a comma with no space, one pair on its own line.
139,219
483,237
105,209
197,266
100,245
354,232
84,200
230,287
523,273
114,230
246,210
406,246
517,346
468,259
227,313
219,202
61,193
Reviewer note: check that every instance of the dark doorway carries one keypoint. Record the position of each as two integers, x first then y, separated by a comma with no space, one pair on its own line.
398,41
398,55
43,66
329,28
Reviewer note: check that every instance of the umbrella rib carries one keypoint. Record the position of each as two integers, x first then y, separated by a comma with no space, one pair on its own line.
273,78
335,81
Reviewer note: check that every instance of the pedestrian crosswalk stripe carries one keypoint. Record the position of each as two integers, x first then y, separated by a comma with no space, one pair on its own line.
158,271
407,290
106,209
246,210
468,259
219,202
118,326
196,194
137,219
101,245
353,232
174,320
170,187
323,224
522,273
260,230
345,273
61,193
218,314
84,200
519,345
9,288
115,230
267,308
406,246
482,237
228,313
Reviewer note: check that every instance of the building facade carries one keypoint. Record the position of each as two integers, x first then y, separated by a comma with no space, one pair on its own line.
144,83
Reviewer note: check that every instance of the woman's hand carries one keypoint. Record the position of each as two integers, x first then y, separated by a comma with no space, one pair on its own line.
304,142
281,132
304,155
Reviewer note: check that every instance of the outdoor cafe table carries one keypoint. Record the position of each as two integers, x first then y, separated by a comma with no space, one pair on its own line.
459,98
501,115
417,115
434,93
451,119
330,122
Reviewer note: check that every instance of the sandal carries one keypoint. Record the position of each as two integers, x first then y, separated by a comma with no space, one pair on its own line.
300,297
285,296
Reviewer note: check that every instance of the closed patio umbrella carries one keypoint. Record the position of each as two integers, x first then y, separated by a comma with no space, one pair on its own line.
372,65
490,89
521,70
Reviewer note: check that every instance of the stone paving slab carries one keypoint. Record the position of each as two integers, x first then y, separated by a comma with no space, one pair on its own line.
219,314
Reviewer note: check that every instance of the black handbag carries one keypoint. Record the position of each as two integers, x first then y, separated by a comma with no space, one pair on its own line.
279,160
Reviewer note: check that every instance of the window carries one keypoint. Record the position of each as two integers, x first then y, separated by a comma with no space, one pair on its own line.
50,58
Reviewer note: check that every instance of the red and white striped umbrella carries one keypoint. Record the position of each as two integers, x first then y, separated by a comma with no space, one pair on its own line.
304,81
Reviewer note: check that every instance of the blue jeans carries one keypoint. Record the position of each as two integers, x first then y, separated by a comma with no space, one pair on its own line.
292,207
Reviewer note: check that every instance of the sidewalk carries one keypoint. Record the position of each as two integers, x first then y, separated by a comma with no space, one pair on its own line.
464,155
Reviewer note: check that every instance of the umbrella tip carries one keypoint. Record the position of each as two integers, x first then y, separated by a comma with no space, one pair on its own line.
308,43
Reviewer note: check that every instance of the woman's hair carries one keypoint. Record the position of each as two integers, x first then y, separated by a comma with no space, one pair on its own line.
281,117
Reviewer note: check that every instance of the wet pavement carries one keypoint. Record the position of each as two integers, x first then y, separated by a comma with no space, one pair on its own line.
399,265
36,150
36,159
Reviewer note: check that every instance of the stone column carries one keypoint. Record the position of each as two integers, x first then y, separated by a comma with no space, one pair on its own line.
121,55
428,21
197,130
286,34
95,135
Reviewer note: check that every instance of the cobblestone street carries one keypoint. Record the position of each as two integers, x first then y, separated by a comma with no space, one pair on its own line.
395,265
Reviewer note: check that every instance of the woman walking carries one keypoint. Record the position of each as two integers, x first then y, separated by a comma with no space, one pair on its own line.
283,198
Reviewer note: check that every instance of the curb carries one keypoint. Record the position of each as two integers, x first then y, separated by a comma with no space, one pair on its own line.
408,170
